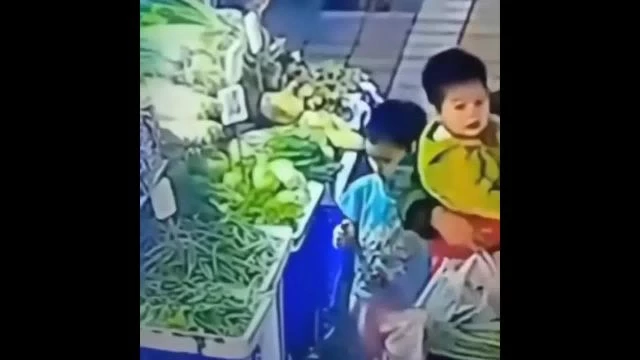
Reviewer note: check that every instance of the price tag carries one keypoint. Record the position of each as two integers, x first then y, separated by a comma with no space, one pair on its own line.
234,105
163,201
296,55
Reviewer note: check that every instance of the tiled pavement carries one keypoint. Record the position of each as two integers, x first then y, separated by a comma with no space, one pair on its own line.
438,27
373,41
482,37
376,41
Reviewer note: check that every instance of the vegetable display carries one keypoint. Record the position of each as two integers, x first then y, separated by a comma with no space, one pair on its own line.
258,189
327,86
306,156
189,52
187,59
206,271
193,51
331,101
274,192
205,276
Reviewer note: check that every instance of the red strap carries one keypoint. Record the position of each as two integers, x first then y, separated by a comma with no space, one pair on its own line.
490,230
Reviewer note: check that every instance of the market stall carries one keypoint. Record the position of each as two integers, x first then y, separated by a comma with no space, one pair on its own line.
240,139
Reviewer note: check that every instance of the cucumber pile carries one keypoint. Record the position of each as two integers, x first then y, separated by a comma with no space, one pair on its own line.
205,276
307,156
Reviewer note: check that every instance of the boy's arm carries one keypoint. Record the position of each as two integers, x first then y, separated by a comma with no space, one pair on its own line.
350,203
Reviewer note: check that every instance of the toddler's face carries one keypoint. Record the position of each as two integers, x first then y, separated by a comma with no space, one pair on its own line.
465,109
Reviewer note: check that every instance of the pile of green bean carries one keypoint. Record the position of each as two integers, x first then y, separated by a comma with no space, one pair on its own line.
205,276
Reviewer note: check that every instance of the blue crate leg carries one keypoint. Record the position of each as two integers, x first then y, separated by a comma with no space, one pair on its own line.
309,280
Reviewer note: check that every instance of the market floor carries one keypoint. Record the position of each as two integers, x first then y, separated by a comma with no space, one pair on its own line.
482,37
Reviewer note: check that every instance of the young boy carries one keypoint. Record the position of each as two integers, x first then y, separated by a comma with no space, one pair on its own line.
459,166
391,263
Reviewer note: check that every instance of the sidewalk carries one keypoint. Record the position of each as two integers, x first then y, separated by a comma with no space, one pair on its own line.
438,27
482,37
372,41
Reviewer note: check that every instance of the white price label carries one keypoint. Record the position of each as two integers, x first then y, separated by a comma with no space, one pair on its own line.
162,200
234,105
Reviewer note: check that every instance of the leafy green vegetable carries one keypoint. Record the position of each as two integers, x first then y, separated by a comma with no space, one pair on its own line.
206,183
306,156
205,275
190,44
257,191
326,86
161,14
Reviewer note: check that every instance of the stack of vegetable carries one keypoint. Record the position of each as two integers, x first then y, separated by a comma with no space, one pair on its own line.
189,52
263,191
183,49
257,189
327,86
192,51
206,273
329,101
205,276
306,155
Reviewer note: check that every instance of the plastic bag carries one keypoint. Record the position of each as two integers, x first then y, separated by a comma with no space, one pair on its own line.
463,304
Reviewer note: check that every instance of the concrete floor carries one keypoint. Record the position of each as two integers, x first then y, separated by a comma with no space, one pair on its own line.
438,26
372,41
392,46
482,37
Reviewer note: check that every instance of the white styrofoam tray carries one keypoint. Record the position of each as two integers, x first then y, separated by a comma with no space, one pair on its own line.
219,346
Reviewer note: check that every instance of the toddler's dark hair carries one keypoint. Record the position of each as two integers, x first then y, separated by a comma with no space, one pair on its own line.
449,67
396,121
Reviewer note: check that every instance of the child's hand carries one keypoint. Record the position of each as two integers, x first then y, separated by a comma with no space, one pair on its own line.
344,235
455,229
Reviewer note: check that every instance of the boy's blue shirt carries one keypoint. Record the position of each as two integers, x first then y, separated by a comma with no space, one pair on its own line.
390,262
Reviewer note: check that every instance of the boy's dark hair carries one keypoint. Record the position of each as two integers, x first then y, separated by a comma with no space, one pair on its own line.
396,121
452,66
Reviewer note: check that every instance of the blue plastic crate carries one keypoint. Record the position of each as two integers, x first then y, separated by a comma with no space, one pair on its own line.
309,281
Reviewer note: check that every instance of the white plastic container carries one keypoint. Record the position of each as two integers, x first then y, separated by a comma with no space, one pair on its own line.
217,346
